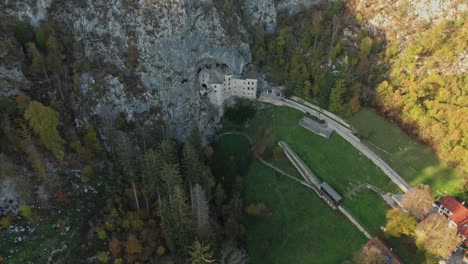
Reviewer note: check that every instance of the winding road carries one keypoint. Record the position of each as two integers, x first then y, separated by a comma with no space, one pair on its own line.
343,129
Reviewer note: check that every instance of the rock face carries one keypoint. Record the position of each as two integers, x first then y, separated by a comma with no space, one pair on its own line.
172,41
266,11
399,18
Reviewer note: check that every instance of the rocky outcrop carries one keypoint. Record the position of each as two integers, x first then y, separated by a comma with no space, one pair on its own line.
33,11
400,18
170,40
265,12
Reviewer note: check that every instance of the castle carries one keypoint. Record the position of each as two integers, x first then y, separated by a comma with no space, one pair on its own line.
221,88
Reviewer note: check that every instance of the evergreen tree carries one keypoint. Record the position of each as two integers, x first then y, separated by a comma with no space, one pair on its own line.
200,210
177,221
200,253
170,176
307,88
36,68
337,96
150,176
191,165
126,159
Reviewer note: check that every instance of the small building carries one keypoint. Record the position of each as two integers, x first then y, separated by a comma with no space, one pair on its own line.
457,213
330,193
380,247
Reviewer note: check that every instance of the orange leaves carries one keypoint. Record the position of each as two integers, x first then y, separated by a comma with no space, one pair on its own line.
114,246
133,245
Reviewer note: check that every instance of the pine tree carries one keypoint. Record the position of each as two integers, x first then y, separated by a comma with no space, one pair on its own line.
167,152
150,176
200,253
337,96
170,176
36,68
200,210
126,159
195,172
191,166
177,221
307,88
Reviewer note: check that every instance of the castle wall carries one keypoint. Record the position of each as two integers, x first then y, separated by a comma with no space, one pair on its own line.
239,87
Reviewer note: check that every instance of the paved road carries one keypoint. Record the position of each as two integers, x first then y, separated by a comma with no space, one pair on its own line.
347,134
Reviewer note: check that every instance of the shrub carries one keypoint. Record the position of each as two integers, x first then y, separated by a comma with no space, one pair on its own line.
259,210
6,221
26,211
41,38
91,139
133,245
161,251
44,121
23,32
102,257
208,151
7,106
278,152
114,246
101,233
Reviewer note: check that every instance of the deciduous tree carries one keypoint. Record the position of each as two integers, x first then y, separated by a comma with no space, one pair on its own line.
418,201
369,256
435,236
399,223
44,121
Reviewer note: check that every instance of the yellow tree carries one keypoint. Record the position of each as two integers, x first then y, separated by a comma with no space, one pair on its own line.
435,236
399,223
418,201
369,256
44,121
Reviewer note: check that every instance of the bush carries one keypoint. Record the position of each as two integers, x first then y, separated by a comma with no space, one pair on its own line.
44,121
26,211
23,32
102,257
161,251
41,38
258,210
91,140
6,221
101,233
7,106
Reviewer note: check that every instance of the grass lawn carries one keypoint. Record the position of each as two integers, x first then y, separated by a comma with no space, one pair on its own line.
300,220
414,161
301,227
333,160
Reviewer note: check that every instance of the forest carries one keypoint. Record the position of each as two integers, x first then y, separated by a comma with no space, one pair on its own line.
329,55
144,196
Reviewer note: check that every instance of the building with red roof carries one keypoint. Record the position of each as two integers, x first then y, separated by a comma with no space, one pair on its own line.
457,212
378,245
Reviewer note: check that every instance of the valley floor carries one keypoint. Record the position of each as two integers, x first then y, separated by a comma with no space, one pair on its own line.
303,228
